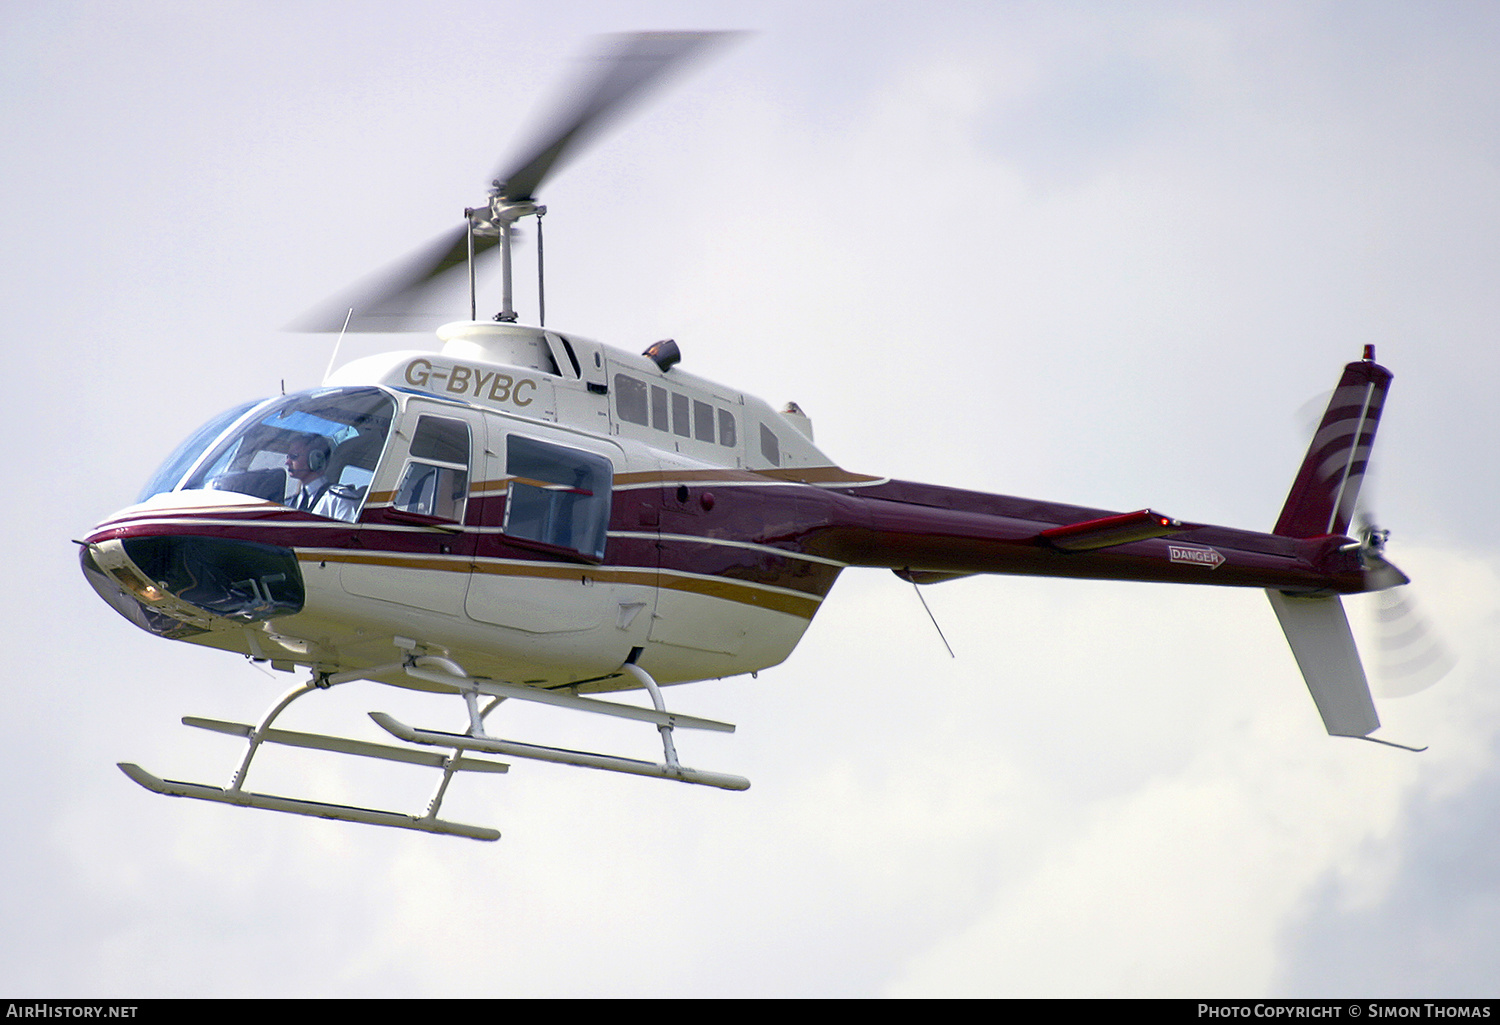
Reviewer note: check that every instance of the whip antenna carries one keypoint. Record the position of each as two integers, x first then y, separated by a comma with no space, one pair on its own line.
930,616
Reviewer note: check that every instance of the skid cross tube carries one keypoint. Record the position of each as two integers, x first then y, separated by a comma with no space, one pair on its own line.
437,669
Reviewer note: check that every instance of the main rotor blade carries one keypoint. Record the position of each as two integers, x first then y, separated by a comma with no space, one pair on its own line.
625,67
391,300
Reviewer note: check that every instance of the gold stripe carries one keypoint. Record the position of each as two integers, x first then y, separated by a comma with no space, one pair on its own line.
819,475
798,475
713,587
682,476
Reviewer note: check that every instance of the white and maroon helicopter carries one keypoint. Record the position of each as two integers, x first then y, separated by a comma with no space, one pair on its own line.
527,514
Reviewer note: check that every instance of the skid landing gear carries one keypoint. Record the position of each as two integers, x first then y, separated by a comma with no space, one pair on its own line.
444,671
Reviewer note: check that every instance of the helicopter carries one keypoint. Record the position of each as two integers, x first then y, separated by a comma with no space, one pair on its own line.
527,514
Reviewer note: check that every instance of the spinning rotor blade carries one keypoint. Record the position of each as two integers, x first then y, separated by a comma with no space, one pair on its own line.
1412,658
626,66
1411,655
391,300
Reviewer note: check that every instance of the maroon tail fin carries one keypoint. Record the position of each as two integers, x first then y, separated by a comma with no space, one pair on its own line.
1322,497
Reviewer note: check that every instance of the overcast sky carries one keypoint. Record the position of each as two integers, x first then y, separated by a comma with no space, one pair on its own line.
1097,253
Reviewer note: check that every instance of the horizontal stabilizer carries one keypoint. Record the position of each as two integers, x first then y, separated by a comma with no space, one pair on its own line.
1108,531
1318,632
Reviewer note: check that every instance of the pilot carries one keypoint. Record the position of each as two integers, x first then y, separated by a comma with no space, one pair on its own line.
306,461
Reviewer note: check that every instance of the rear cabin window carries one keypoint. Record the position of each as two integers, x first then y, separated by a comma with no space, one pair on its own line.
703,421
558,496
770,446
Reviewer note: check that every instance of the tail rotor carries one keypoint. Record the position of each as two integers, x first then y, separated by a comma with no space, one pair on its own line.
1411,655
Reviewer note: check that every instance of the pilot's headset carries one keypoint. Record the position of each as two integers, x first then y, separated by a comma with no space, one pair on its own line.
317,453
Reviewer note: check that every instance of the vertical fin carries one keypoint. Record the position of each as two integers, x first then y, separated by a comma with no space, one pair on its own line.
1322,497
1318,632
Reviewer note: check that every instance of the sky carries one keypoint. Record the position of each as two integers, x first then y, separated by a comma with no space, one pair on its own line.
1091,253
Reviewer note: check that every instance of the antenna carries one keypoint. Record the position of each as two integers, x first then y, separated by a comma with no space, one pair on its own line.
337,342
930,616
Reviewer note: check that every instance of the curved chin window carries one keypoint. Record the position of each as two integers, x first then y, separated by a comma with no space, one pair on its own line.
237,580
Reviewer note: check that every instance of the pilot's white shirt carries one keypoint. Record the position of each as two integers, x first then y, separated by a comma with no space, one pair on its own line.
328,504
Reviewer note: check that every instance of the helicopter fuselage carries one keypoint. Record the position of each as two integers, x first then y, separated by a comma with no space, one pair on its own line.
541,509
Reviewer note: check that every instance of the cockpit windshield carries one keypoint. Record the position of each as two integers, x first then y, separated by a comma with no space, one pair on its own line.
314,450
185,455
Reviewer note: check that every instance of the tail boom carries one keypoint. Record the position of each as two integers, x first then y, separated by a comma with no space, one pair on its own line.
929,533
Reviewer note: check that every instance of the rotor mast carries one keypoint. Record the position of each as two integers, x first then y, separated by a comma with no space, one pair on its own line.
498,222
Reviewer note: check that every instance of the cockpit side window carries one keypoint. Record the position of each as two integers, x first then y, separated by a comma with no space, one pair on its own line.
436,479
314,450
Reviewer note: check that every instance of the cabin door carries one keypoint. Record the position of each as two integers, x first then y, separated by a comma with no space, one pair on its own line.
548,563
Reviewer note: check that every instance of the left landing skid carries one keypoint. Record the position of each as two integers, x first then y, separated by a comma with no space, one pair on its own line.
264,734
317,809
444,671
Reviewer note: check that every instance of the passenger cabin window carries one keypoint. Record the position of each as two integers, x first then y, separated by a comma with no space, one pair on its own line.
659,409
436,479
703,421
656,407
558,496
336,434
630,400
572,356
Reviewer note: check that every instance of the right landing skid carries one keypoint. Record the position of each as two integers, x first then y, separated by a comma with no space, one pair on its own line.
458,758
